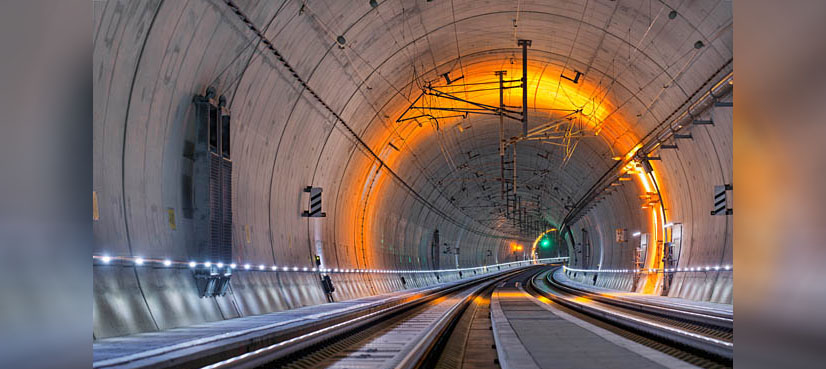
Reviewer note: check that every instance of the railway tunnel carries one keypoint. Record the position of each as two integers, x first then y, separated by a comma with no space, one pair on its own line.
245,151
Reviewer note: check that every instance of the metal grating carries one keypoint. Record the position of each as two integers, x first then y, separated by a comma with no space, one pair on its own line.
211,193
226,210
215,214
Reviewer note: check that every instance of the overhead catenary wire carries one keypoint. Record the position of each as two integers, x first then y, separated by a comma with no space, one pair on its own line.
337,118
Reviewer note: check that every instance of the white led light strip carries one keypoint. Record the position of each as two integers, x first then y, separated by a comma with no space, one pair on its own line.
714,268
144,262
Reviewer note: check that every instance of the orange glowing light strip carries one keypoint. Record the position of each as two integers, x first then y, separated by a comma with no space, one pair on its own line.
652,282
546,94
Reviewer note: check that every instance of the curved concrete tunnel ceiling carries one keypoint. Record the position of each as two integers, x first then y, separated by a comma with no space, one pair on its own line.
641,63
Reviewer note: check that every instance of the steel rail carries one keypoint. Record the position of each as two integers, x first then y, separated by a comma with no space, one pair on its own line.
694,341
717,320
291,346
415,358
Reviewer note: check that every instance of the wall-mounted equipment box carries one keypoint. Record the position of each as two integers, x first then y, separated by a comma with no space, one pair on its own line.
212,192
621,235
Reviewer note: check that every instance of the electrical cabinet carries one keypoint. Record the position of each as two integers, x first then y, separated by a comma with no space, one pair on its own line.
212,193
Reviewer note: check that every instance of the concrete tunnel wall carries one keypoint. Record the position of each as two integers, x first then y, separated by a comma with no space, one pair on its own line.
688,176
151,57
144,85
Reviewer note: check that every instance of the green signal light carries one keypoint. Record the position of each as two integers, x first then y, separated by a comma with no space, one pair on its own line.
546,243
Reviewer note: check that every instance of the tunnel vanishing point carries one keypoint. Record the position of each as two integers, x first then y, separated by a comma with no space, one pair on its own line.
262,157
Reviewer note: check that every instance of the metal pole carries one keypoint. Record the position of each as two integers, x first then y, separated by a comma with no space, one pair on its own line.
524,44
513,149
501,74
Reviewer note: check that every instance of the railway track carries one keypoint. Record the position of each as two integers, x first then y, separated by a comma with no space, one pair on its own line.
410,335
452,329
701,337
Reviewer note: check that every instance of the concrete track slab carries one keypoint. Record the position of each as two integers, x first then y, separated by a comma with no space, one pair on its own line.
140,349
178,345
531,334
